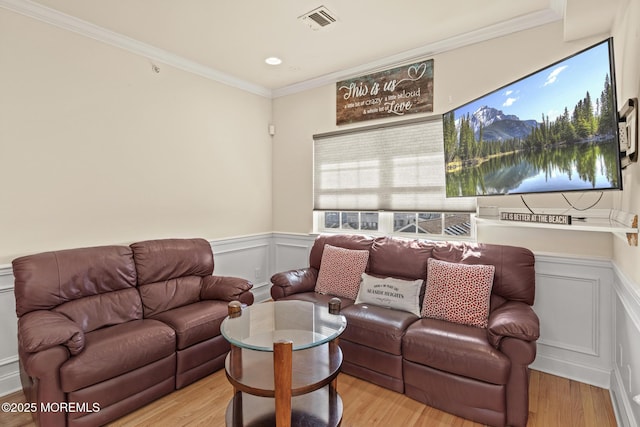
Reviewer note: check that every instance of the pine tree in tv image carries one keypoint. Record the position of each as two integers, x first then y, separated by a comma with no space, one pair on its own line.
552,131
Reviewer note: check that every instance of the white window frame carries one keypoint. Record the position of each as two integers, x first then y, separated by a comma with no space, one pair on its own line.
385,227
420,141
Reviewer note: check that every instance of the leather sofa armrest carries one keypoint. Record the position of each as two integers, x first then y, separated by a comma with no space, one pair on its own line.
293,282
42,329
226,288
513,319
40,375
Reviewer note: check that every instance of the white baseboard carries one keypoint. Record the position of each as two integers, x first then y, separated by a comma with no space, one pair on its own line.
572,370
622,406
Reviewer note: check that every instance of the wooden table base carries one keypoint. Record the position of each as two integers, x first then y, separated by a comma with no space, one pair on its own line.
284,388
320,408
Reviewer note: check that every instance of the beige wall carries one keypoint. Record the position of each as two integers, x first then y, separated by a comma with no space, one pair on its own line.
460,76
96,148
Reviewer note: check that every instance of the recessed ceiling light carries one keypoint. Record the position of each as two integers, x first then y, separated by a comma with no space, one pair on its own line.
273,60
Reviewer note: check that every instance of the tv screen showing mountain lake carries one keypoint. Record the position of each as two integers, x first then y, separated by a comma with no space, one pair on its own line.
553,131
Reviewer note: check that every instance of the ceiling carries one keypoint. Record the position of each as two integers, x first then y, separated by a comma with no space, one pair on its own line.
229,40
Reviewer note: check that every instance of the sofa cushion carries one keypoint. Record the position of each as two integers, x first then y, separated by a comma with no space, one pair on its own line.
391,293
46,280
196,322
168,294
457,349
107,309
340,271
115,350
458,293
402,258
376,327
159,260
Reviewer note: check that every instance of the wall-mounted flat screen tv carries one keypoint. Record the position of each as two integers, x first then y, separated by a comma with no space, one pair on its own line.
555,130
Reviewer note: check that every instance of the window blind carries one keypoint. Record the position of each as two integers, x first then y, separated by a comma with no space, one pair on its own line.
399,167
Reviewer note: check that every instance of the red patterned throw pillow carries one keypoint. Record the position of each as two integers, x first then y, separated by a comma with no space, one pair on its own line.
340,271
458,293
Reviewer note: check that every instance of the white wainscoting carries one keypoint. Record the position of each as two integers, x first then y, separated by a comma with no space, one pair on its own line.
249,257
625,378
589,313
573,302
9,370
291,251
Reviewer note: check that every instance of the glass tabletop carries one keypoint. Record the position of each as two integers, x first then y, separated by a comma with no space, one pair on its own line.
303,323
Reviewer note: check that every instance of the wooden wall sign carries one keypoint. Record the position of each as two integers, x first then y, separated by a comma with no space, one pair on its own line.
403,90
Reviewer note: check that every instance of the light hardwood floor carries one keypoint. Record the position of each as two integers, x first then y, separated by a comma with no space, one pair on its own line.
553,401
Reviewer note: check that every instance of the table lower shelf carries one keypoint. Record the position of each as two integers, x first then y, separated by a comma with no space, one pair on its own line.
253,371
322,407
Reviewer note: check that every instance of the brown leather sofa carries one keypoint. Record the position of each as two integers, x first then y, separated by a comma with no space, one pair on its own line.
105,330
476,373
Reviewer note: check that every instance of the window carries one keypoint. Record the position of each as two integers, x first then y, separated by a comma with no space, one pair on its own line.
426,225
398,167
433,223
387,179
350,220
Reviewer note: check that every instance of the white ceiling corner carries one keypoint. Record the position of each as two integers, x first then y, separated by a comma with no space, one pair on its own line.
87,29
311,58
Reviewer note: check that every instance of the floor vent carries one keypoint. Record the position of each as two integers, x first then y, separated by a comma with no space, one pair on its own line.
318,18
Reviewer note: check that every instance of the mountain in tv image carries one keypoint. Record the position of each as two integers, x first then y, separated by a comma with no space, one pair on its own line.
498,126
489,152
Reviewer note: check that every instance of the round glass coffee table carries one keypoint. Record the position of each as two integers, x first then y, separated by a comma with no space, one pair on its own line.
283,363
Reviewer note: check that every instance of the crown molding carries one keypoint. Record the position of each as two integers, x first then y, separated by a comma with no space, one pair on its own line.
87,29
520,23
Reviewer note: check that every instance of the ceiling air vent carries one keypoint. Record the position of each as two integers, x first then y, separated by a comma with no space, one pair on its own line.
318,18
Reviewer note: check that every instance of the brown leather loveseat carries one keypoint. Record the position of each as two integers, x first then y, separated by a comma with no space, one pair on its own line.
105,330
479,373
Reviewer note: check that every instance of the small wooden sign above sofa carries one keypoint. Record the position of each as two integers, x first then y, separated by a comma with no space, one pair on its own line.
396,92
539,218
